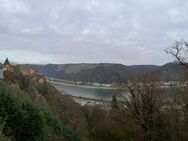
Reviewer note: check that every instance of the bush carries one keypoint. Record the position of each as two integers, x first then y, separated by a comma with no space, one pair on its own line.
23,120
43,89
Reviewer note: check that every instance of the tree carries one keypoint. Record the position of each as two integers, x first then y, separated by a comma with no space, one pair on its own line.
180,52
143,100
114,102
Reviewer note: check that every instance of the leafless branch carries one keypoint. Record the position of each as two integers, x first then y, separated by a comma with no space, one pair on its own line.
179,51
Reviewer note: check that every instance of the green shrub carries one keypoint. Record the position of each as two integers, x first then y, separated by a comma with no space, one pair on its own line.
43,89
23,120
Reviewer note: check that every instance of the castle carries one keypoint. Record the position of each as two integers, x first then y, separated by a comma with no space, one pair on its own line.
25,70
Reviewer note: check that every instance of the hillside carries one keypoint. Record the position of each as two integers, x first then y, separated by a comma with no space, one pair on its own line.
32,110
108,73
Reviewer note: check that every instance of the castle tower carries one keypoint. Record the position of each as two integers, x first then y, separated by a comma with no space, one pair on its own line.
6,65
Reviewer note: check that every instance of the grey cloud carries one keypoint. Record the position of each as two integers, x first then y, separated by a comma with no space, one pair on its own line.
64,31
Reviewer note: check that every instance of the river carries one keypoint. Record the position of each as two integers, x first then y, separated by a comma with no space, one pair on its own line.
93,93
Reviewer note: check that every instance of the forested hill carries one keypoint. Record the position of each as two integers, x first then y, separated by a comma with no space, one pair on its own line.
108,73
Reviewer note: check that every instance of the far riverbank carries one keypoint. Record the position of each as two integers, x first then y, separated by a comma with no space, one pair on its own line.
72,84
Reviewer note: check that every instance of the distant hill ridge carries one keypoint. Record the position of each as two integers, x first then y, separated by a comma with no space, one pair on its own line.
108,72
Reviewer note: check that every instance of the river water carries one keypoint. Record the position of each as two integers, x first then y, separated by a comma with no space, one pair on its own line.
94,93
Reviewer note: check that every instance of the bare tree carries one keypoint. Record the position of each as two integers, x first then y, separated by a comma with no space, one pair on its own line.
143,100
180,52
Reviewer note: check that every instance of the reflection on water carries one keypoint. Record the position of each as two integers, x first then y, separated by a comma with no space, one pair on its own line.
104,94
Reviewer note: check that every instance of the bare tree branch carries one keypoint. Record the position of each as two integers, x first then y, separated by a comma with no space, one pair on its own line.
179,51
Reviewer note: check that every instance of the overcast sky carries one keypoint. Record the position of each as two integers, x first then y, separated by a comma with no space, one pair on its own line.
89,31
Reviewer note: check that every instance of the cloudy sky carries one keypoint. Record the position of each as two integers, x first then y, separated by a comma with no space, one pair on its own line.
88,31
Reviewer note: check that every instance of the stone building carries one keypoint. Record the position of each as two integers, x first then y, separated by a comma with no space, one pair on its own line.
27,70
41,79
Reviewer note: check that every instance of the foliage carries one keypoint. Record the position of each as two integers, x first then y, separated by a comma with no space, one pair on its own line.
43,89
57,128
24,82
23,120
